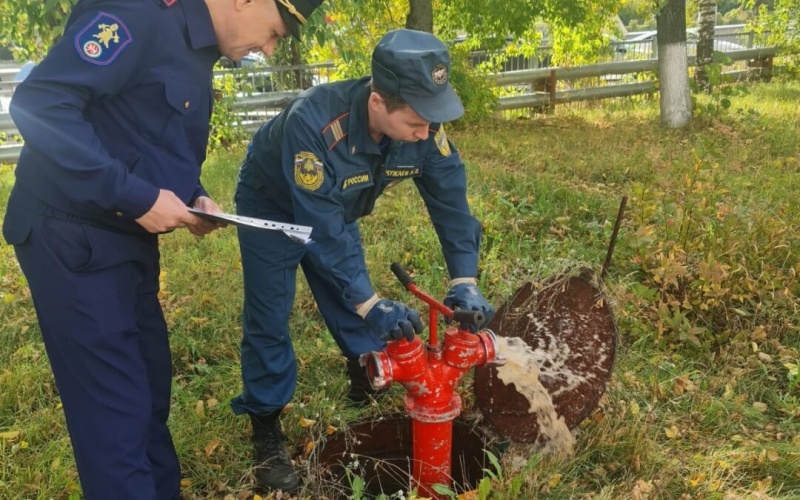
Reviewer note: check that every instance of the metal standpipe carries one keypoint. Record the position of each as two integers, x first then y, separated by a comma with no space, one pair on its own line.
430,374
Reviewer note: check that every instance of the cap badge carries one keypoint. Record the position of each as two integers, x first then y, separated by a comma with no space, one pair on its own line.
439,74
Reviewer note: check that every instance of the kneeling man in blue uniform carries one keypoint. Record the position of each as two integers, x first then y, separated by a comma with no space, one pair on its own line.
322,162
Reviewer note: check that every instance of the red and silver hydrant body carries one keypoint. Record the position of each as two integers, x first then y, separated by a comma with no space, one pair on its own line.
430,374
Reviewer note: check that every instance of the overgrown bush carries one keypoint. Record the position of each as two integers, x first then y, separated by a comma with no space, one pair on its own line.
712,268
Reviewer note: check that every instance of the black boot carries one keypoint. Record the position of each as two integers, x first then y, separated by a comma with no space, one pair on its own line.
360,389
273,467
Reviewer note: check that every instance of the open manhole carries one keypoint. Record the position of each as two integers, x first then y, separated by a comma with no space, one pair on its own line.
570,328
380,453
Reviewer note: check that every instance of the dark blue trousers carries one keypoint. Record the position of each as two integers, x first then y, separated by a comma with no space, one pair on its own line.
96,296
269,263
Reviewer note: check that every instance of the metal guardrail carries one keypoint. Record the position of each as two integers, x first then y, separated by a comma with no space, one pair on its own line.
256,108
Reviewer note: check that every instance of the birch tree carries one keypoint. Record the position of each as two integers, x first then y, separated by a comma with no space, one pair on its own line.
706,17
673,67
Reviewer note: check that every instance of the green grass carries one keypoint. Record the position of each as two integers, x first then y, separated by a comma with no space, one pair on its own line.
703,286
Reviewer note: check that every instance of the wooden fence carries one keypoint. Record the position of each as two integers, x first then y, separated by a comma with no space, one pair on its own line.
540,88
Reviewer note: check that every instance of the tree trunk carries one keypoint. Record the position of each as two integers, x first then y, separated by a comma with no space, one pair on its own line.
420,15
705,42
673,67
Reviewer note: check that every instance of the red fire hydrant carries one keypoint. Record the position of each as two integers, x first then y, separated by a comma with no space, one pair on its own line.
430,374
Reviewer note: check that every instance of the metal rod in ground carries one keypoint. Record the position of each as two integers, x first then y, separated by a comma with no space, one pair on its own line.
610,252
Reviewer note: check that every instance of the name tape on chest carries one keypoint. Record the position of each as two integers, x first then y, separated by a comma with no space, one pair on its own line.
102,39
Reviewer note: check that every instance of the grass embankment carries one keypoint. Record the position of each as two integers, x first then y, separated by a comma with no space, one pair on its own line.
704,401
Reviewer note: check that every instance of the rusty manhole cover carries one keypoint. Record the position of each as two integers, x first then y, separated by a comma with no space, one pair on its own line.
569,326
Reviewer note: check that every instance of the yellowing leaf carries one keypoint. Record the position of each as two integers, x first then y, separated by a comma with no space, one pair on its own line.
9,298
307,422
199,409
697,480
331,430
672,432
634,408
468,495
211,446
772,455
758,405
9,435
309,447
185,483
554,480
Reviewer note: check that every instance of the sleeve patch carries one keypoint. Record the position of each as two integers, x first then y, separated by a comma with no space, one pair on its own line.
308,171
441,142
103,39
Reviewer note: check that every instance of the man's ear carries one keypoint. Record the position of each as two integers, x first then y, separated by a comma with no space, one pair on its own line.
376,101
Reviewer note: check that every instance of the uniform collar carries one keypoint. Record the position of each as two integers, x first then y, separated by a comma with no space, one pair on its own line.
198,21
359,140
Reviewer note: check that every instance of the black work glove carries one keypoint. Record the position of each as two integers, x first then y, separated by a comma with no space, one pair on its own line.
393,320
465,295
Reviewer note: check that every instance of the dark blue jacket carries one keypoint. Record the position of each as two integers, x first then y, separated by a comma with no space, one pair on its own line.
316,164
119,109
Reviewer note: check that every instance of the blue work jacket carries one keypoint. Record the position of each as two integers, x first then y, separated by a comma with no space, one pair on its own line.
119,109
315,164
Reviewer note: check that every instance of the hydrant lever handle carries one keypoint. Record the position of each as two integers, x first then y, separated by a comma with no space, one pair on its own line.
465,316
402,274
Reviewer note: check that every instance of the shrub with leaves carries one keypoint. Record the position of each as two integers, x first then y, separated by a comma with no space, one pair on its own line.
225,127
711,270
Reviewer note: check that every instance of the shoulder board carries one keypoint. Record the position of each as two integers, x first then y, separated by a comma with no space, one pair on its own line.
336,130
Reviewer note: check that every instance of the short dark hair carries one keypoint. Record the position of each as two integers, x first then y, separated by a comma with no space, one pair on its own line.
393,102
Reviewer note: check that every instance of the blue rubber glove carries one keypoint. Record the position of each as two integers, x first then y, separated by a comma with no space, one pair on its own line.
393,320
467,296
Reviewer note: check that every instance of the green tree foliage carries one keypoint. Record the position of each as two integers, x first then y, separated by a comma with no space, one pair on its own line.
30,27
780,26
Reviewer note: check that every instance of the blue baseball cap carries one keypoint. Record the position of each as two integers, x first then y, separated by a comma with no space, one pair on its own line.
415,65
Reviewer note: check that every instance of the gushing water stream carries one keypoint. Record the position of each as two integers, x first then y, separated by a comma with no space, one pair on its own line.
522,370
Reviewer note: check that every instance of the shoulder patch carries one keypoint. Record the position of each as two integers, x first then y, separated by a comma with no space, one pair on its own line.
441,141
308,171
103,39
336,130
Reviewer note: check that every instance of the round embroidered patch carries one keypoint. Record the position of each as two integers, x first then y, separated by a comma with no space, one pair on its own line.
439,74
92,49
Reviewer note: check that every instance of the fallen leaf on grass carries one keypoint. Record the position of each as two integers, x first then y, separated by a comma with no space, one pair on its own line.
672,432
9,435
307,422
211,446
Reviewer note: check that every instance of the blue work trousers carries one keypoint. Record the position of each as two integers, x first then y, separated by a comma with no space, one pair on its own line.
95,292
269,263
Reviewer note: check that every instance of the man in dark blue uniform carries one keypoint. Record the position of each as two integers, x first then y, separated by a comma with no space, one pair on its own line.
322,163
115,121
